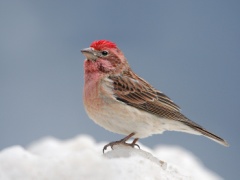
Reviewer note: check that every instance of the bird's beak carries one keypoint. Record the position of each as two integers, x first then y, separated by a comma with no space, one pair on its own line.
89,53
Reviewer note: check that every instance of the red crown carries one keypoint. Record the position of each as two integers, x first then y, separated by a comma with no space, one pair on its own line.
102,44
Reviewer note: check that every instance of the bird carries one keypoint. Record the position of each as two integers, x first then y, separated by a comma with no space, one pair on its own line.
120,101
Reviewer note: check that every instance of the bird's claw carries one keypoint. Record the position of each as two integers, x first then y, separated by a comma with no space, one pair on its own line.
136,145
106,146
111,144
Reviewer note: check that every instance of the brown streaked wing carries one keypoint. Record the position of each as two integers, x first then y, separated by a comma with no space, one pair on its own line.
141,95
135,91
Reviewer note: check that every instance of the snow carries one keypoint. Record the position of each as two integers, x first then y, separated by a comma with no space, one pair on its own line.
82,158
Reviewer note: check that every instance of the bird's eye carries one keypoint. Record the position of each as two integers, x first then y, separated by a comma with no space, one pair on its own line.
104,53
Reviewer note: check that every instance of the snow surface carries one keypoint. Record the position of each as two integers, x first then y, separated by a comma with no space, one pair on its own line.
82,158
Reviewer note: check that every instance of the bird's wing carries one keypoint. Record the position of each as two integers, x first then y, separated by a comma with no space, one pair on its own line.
134,91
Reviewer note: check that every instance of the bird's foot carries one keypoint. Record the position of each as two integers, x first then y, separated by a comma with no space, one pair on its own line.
123,142
111,144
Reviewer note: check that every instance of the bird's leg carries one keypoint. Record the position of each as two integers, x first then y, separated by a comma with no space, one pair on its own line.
134,143
123,141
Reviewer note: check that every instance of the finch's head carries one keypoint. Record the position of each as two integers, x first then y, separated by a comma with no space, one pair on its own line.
104,56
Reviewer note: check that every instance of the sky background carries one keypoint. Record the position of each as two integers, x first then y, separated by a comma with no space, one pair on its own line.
190,50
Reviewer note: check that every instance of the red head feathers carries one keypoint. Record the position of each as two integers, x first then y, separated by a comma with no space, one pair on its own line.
101,44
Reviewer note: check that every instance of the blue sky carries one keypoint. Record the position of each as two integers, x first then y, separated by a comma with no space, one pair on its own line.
187,49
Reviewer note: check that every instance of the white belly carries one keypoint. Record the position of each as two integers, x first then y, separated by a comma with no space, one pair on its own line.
124,119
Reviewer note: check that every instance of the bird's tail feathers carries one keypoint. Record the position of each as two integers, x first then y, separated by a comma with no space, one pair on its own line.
209,134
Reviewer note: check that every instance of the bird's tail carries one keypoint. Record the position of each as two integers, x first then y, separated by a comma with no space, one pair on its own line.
208,134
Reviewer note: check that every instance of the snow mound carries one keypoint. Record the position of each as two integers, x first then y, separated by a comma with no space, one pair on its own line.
82,158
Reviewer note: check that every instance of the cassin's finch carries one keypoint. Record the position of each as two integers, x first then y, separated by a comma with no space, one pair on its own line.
120,101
